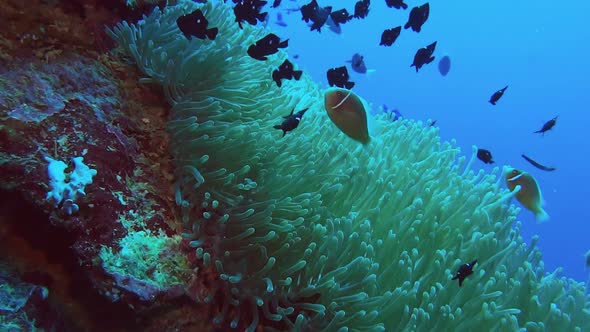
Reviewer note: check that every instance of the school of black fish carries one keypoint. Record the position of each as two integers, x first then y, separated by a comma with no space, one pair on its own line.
195,25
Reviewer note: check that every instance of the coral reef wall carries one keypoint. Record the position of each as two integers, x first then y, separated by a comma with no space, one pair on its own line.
315,232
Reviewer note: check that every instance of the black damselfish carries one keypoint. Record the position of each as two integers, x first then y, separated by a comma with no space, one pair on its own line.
316,14
320,18
291,121
485,156
464,271
389,36
423,56
286,72
249,11
397,4
339,77
361,8
309,10
195,25
418,16
268,45
340,16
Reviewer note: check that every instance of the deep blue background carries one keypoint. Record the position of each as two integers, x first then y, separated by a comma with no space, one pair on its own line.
538,48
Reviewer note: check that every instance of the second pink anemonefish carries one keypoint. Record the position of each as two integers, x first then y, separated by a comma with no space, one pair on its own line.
529,194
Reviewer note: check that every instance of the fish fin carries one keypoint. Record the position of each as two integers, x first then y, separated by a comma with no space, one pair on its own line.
541,216
297,74
370,71
404,6
284,44
211,33
276,76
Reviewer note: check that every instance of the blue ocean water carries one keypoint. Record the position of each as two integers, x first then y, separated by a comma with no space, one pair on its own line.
538,48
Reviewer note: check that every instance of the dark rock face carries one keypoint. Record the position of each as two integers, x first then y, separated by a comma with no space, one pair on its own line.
62,96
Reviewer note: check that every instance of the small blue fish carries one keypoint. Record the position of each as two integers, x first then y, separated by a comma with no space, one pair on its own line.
393,114
444,65
357,63
333,26
280,21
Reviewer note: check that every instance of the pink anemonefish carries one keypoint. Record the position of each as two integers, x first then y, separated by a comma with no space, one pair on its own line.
347,112
529,195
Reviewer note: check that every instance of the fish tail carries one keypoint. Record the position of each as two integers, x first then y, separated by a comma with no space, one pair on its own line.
284,44
404,6
211,33
276,76
277,127
541,216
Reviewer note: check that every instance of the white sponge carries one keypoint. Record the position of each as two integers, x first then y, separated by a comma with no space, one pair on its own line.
66,187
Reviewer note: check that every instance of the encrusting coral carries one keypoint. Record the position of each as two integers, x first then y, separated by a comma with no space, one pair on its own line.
317,232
